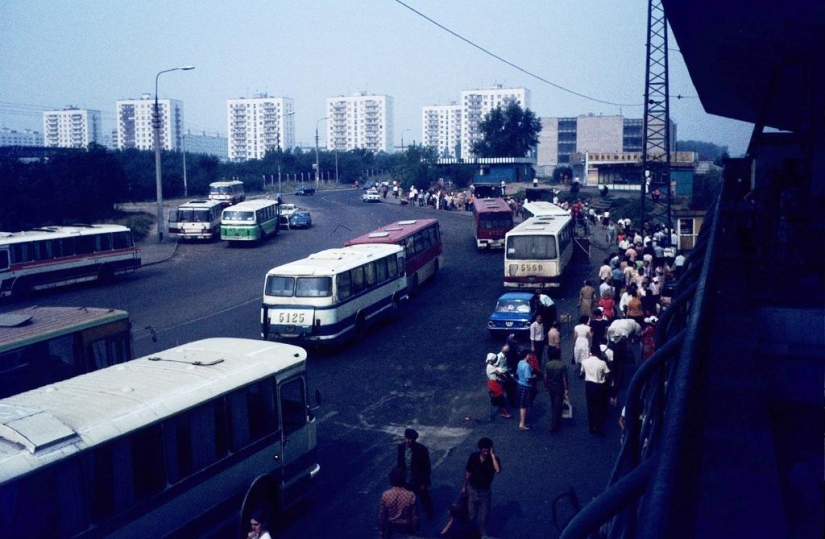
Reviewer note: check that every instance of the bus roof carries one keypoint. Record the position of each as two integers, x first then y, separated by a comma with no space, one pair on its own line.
36,324
541,207
393,232
540,225
338,260
55,232
197,204
491,205
252,205
225,184
49,423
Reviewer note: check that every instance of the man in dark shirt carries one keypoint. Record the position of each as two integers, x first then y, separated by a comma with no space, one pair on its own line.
598,326
555,381
414,459
482,467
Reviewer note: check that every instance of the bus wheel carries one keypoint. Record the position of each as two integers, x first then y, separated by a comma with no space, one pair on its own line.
396,308
106,274
21,288
262,495
360,328
414,285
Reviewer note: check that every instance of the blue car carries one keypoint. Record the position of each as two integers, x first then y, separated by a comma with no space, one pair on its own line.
300,219
514,313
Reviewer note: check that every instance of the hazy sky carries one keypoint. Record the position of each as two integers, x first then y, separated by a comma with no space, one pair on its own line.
91,53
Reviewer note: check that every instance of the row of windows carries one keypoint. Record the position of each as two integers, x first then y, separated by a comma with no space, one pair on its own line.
367,277
262,215
71,246
90,488
421,241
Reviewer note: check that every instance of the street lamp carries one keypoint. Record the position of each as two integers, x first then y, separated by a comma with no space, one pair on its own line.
317,164
279,149
156,127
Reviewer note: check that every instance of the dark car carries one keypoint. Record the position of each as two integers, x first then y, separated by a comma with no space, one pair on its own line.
514,313
300,219
305,191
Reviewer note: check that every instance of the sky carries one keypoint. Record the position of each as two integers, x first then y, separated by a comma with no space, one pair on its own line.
90,53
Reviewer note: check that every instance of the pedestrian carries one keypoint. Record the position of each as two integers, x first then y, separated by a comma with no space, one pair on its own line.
556,384
496,378
598,327
554,341
525,385
458,527
414,459
397,514
649,337
607,304
587,298
537,337
620,333
581,340
482,467
511,354
260,526
595,372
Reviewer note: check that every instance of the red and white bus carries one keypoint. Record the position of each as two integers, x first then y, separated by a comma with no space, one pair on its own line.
61,255
421,240
493,219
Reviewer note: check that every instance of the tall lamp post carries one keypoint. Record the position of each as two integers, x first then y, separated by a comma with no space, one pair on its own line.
317,163
156,127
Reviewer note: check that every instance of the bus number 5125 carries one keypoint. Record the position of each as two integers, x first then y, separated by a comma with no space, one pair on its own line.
291,318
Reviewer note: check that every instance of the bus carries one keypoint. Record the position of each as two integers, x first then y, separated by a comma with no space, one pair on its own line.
55,256
541,208
493,219
333,295
157,445
227,193
421,240
537,252
250,221
196,220
42,345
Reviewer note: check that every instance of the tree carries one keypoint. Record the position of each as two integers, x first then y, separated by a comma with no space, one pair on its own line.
511,132
414,167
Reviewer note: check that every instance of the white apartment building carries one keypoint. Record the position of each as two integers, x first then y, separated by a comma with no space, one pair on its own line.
258,125
360,121
134,123
475,104
70,128
27,137
442,129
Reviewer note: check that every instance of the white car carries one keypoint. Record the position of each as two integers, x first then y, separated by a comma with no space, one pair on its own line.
286,212
371,196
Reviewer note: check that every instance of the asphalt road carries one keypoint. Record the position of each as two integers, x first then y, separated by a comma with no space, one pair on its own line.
424,370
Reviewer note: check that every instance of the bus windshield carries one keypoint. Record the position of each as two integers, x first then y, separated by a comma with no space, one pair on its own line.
495,221
531,248
239,215
302,287
191,215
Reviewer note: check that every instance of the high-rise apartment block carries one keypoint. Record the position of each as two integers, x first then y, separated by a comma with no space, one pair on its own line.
360,121
442,129
258,125
70,128
476,104
213,144
134,123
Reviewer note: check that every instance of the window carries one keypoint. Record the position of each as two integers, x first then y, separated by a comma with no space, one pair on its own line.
252,414
369,274
357,280
280,286
195,439
293,405
381,269
313,287
531,247
343,283
395,266
686,227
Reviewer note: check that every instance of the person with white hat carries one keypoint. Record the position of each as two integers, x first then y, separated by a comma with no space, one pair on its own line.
649,337
496,376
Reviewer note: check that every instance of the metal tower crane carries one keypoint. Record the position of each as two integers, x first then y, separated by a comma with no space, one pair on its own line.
656,185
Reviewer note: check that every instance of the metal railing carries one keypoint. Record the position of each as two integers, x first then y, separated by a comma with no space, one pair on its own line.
660,413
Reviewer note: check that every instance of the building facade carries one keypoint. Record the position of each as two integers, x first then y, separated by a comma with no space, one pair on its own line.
71,128
360,121
475,104
134,123
441,129
213,144
26,137
258,125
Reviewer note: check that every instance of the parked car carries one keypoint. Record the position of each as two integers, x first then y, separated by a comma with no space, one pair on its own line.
286,212
305,191
300,219
514,312
371,196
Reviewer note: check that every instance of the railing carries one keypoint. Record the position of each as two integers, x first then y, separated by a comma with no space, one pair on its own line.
642,497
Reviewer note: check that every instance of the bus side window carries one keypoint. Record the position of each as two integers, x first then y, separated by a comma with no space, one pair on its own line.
293,404
357,279
252,414
344,286
381,269
369,274
393,264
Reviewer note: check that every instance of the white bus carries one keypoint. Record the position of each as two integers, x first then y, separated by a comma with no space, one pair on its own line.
227,193
537,252
54,256
155,446
541,208
197,220
333,295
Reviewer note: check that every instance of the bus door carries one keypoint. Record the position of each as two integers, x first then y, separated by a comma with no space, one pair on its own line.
299,439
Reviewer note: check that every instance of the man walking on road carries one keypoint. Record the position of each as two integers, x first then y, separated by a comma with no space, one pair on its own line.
482,467
555,381
414,459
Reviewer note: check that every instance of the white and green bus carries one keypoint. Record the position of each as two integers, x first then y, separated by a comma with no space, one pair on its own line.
250,221
205,432
333,295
